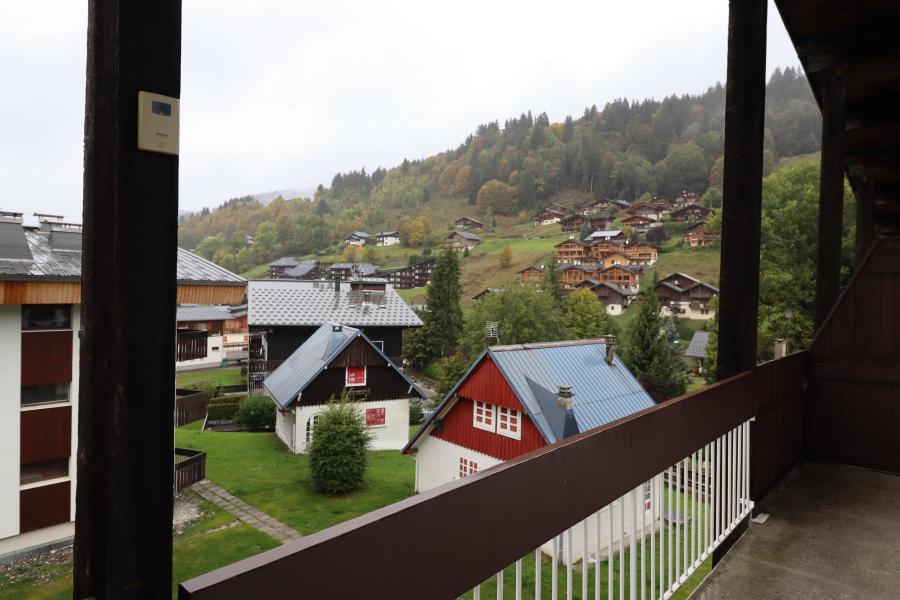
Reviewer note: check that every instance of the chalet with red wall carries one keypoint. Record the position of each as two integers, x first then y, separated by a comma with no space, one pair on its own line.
515,399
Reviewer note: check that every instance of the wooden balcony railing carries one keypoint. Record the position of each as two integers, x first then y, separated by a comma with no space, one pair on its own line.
190,405
191,345
190,467
451,538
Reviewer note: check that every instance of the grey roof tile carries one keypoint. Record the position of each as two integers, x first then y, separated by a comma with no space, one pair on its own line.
697,346
304,303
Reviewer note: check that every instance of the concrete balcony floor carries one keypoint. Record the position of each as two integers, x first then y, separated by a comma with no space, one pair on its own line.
834,533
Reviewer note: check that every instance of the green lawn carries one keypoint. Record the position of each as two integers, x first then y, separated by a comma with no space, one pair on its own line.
259,469
226,376
257,272
201,547
414,295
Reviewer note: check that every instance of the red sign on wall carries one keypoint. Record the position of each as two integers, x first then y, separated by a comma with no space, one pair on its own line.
356,376
374,416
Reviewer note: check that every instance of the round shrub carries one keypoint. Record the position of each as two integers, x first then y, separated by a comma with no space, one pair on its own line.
338,454
256,413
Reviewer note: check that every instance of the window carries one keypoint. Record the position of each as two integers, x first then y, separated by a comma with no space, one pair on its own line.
43,471
509,422
310,427
483,415
647,495
467,467
375,417
46,316
355,376
44,394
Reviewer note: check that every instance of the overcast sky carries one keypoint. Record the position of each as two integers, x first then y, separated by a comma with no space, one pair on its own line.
284,93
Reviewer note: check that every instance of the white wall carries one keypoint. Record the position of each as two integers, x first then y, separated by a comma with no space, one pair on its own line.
284,427
689,313
614,309
393,435
213,357
73,396
10,402
437,462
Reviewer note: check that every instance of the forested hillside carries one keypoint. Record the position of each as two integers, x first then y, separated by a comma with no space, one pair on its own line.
504,172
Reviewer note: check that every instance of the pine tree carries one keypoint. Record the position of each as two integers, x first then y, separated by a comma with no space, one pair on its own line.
553,286
650,356
444,319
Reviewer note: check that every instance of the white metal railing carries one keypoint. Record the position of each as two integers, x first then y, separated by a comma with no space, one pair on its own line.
646,544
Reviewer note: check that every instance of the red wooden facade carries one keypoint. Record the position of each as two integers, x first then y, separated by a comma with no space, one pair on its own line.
487,384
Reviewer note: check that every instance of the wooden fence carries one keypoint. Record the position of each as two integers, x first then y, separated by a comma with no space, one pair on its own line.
190,467
191,345
227,390
190,405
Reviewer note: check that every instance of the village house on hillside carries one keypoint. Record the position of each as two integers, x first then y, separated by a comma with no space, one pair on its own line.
690,212
638,223
549,215
571,276
279,266
461,240
603,248
357,238
305,269
41,362
533,274
648,210
515,399
605,235
687,198
417,274
684,296
616,299
334,360
284,314
387,238
345,271
696,235
577,221
468,223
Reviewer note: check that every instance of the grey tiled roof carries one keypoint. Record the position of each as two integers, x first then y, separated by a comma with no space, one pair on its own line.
302,269
312,357
603,392
303,303
195,312
196,269
364,269
466,235
65,265
284,261
697,346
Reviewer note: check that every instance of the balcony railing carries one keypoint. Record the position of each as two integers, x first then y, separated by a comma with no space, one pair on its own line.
191,345
740,436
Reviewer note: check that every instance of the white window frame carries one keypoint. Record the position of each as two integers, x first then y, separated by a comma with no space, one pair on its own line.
511,415
485,408
467,467
347,377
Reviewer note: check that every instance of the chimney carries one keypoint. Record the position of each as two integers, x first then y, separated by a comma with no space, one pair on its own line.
781,349
610,341
564,395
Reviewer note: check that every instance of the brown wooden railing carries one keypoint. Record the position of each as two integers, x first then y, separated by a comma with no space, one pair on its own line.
191,345
190,467
190,405
457,535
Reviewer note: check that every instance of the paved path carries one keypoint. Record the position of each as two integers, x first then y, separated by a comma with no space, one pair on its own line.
245,512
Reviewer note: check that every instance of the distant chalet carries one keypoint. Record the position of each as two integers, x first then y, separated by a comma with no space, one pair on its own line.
461,240
684,296
468,223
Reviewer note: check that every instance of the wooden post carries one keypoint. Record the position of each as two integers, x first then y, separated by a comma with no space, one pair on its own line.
745,93
123,525
865,218
831,192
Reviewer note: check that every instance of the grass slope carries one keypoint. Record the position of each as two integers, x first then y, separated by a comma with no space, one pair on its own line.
259,469
226,376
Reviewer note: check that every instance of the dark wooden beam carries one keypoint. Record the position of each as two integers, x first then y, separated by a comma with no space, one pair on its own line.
831,192
865,218
123,526
742,194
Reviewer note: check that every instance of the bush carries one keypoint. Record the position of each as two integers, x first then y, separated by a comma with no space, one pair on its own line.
415,413
256,413
338,454
222,411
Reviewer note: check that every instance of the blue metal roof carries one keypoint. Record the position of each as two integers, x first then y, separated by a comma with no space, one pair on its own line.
293,376
603,392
